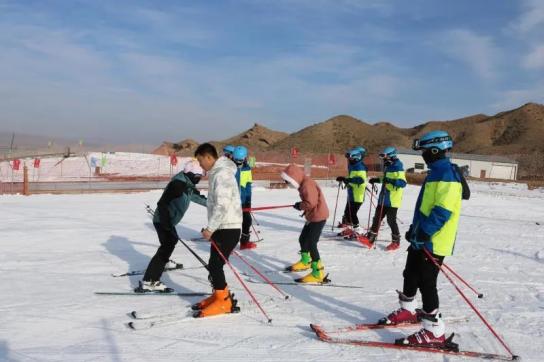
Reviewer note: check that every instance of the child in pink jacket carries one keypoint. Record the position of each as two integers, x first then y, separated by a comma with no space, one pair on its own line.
316,213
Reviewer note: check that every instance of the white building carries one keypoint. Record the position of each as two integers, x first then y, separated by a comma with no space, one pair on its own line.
480,166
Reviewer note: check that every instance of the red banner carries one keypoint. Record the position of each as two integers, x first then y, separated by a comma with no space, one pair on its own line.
294,152
16,165
332,159
36,163
173,160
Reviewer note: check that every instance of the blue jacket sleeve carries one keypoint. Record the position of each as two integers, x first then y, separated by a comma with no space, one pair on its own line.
435,221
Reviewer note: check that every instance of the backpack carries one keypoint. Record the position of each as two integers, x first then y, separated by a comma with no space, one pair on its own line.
465,195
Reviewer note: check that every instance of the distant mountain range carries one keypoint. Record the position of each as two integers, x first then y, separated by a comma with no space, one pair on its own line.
514,132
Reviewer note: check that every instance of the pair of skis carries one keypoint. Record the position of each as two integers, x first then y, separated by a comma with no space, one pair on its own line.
449,347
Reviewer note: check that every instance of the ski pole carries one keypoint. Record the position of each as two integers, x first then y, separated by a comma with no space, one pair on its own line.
251,209
254,219
370,208
480,295
195,254
335,207
240,280
257,233
151,212
429,255
263,277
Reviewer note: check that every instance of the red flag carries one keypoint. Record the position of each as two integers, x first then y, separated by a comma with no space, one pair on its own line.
16,164
332,159
173,160
294,152
36,163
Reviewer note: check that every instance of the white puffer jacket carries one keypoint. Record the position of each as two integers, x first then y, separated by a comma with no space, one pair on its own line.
224,206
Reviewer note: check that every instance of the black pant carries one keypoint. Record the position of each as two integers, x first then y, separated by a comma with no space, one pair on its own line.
168,240
226,240
421,273
246,225
391,213
309,237
350,213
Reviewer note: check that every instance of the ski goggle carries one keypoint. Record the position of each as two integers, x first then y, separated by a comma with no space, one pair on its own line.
418,144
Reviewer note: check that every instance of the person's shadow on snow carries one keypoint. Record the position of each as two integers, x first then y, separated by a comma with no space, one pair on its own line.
341,310
124,249
4,352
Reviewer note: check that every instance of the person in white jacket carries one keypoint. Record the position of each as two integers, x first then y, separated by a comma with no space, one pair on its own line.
224,226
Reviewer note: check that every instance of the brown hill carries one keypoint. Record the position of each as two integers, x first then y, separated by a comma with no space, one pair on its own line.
181,148
257,137
519,131
341,132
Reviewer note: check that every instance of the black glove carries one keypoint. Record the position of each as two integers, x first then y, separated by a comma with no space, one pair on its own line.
408,235
340,179
297,206
420,239
389,181
374,180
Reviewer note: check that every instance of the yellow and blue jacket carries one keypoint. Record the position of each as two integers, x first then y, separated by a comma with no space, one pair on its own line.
394,182
245,179
357,182
438,207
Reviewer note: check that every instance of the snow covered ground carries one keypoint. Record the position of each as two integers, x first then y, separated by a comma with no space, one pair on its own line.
57,250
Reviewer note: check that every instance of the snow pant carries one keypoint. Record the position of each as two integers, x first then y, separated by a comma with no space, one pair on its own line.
226,240
246,225
391,213
421,273
168,240
309,237
350,213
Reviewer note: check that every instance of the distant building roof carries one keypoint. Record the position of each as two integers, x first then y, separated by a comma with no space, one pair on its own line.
465,156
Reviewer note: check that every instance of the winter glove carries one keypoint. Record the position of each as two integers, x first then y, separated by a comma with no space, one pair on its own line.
374,180
408,235
297,206
341,179
420,240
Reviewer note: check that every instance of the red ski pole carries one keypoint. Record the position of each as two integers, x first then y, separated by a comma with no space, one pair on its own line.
263,277
480,295
240,280
252,209
429,255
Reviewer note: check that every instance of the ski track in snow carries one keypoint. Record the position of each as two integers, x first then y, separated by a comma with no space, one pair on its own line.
57,250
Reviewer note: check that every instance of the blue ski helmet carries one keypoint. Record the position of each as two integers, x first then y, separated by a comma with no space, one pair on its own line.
228,150
354,155
361,149
440,140
239,155
389,152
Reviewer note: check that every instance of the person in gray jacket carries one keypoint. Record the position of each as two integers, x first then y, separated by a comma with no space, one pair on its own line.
224,226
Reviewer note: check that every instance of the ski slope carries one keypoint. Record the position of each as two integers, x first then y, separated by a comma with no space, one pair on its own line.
57,250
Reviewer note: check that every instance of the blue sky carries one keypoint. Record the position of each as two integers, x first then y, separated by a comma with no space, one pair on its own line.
146,71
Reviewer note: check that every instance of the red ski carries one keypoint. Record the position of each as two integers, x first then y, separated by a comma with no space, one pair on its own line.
449,348
368,326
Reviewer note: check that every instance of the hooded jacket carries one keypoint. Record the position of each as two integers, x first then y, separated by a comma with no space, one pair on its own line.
175,200
313,201
224,208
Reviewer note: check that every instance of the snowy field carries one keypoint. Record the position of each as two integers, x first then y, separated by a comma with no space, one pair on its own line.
57,250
